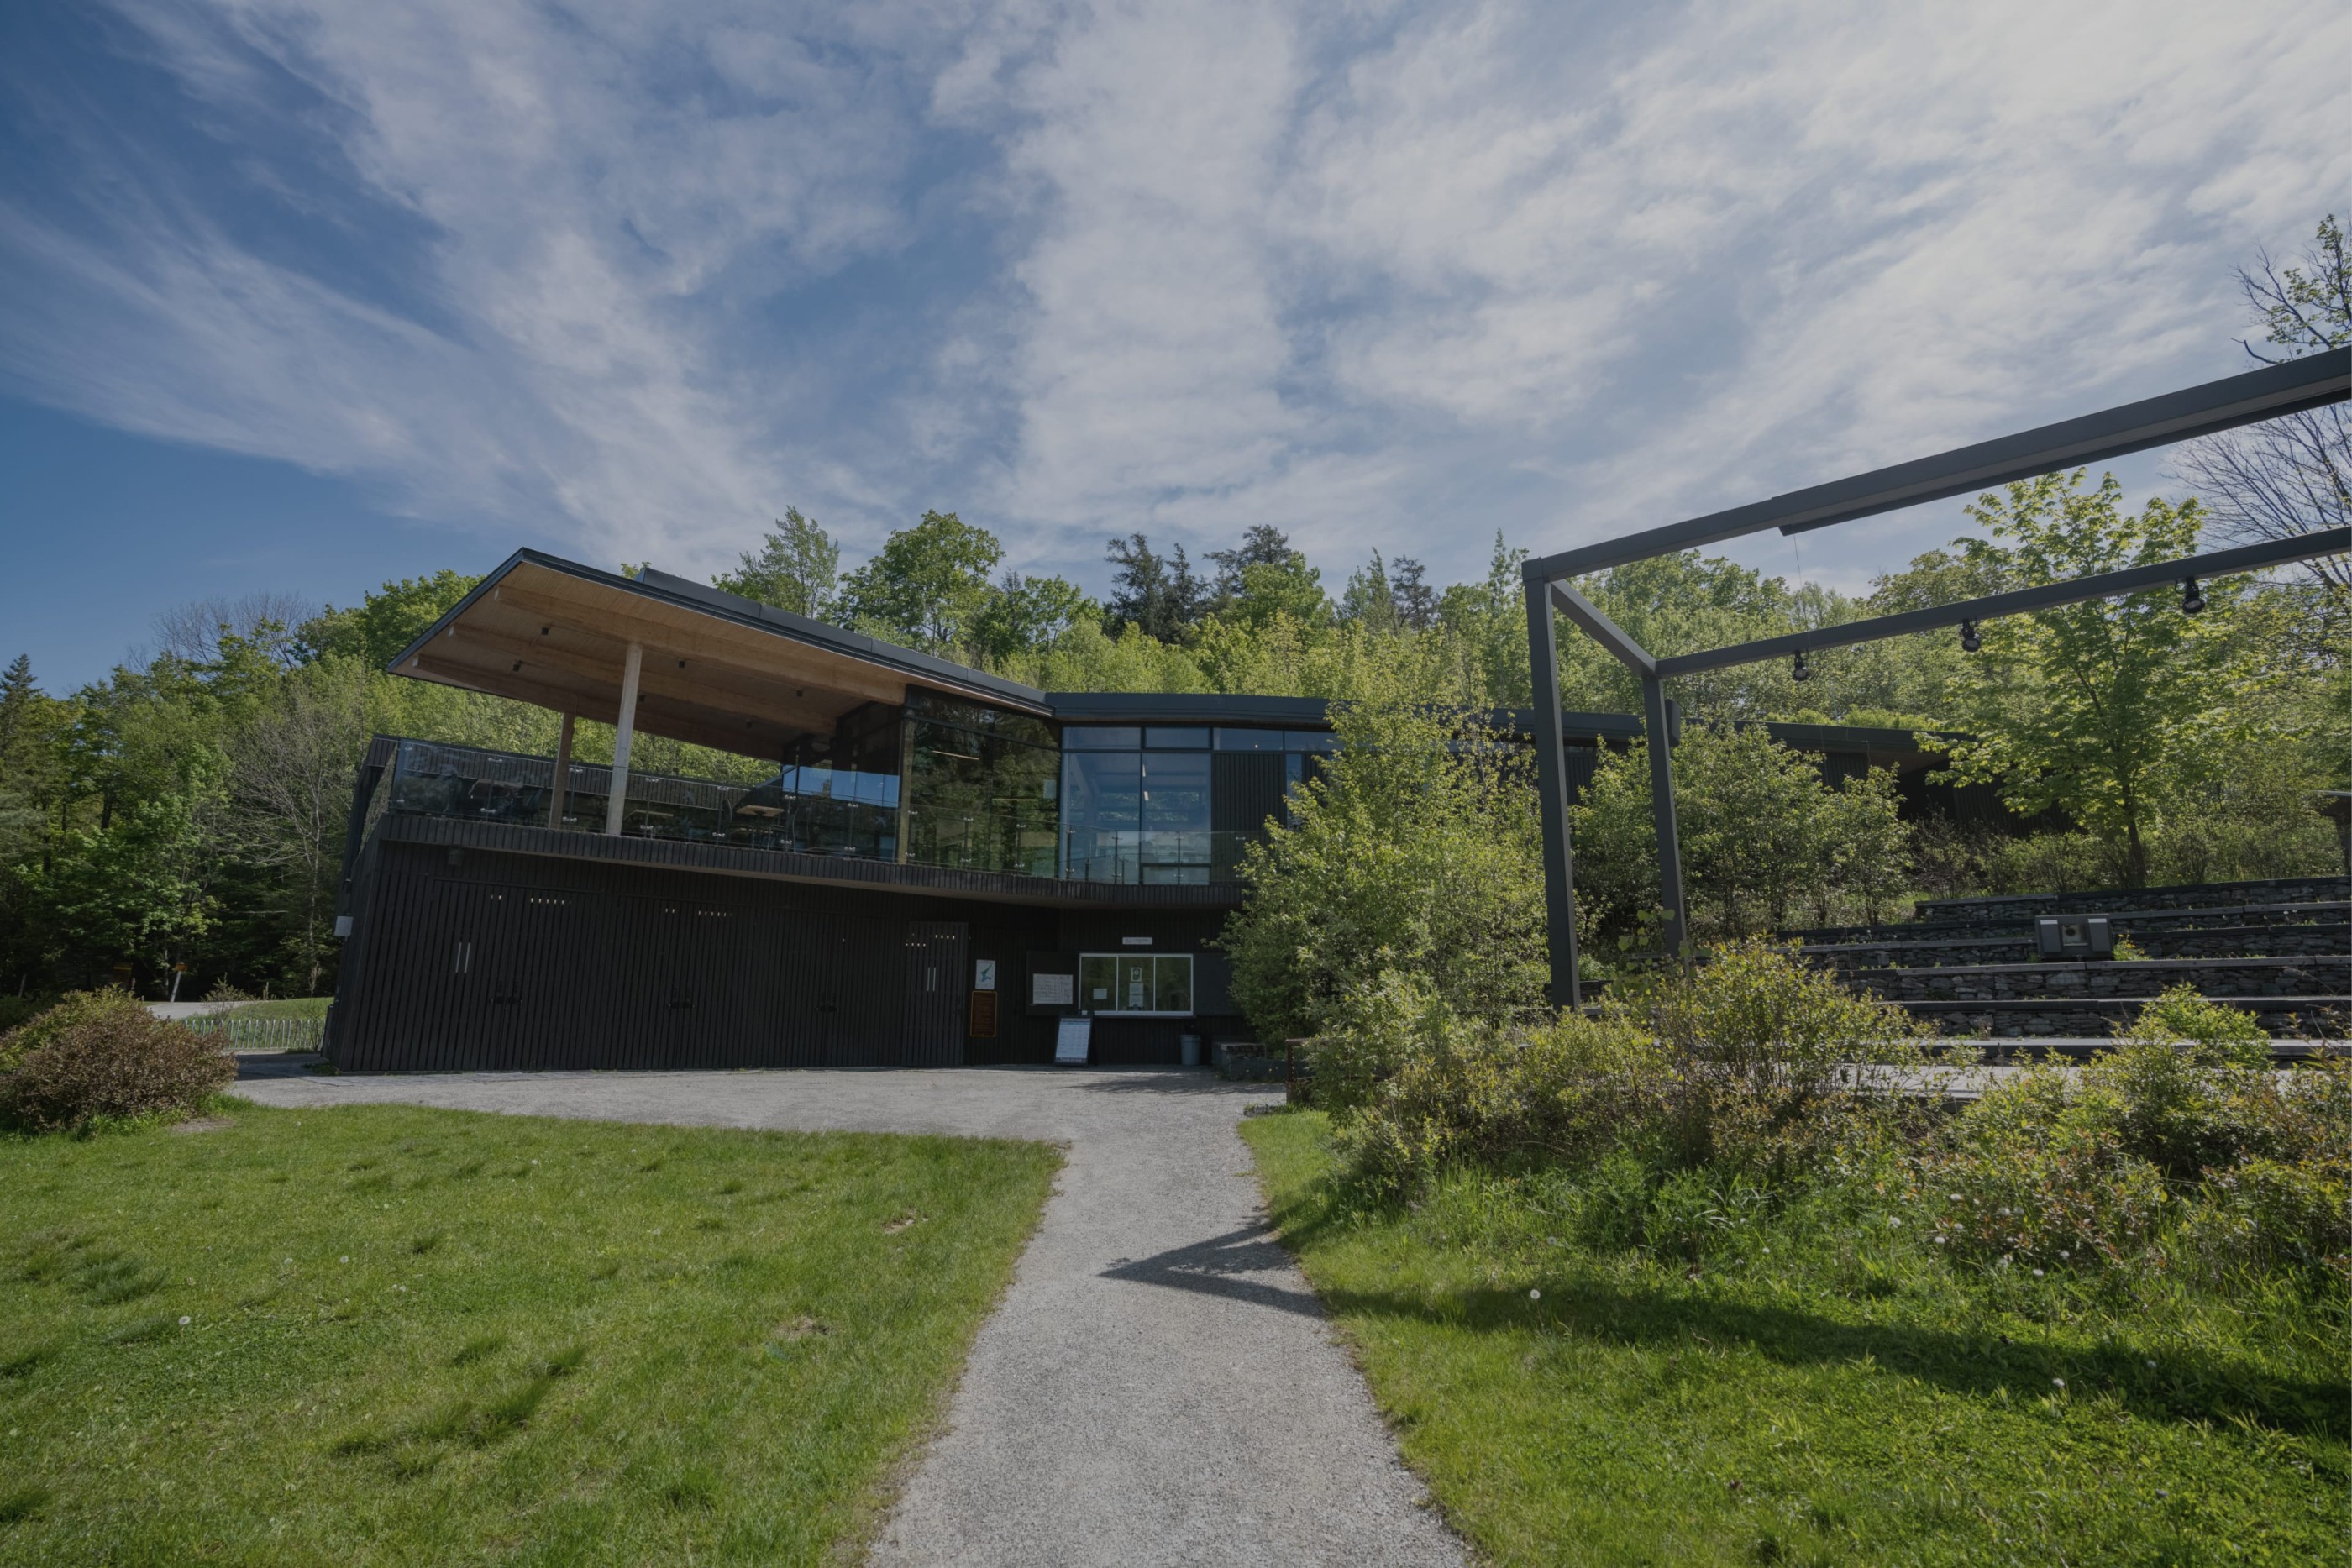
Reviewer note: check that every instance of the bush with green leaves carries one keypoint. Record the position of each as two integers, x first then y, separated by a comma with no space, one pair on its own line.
2034,1176
1755,1065
99,1057
1766,838
1417,851
1416,1086
2179,1144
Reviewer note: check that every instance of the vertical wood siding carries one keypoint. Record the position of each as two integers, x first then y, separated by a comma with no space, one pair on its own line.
505,963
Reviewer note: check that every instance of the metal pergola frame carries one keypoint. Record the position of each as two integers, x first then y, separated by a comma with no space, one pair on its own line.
2312,381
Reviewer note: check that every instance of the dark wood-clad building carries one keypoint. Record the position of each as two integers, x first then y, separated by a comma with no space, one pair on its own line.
932,867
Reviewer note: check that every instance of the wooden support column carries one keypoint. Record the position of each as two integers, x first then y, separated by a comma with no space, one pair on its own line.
562,791
618,801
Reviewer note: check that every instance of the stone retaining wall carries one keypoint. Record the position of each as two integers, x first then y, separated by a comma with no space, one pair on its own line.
2220,978
2314,941
2139,923
2291,1018
2191,895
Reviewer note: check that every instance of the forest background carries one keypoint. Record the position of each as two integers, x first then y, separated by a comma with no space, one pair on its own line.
190,808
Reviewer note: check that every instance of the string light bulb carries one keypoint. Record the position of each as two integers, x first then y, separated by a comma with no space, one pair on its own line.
1801,671
2192,598
1969,641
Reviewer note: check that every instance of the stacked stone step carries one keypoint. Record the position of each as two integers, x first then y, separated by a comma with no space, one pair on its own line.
2281,950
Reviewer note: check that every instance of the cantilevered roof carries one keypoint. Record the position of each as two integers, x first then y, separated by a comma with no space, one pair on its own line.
719,669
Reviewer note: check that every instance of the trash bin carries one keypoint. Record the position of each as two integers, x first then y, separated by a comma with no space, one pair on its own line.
1191,1045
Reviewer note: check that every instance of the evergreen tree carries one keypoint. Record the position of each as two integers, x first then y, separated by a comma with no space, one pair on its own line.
797,568
1158,594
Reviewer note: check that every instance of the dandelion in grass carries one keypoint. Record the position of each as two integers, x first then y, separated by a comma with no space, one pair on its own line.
185,1322
1535,1295
2037,1273
2057,1383
1897,1223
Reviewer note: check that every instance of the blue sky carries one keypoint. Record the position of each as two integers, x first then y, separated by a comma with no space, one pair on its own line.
299,297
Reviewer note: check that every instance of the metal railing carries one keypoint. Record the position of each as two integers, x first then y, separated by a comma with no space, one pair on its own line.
259,1034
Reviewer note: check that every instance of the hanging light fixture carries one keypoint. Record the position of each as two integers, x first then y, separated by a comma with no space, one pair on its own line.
1969,641
2192,598
1801,671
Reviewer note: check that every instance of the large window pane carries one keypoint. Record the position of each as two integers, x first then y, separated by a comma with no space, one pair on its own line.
1175,817
1135,982
1134,985
1173,983
1102,737
980,802
1097,979
1102,806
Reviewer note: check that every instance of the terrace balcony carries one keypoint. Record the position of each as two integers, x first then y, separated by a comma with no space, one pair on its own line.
805,810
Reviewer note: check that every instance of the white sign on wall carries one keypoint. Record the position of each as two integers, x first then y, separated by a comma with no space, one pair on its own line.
983,974
1053,991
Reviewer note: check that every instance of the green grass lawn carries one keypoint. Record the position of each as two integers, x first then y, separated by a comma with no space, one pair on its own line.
383,1334
1808,1403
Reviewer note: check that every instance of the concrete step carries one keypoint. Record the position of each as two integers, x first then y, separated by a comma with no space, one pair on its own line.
2223,980
2139,923
2313,940
2292,1017
2078,1048
2100,900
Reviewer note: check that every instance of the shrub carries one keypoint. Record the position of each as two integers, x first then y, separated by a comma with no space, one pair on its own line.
2033,1173
2224,1036
99,1056
1749,1066
1416,850
2272,1214
1772,1058
1764,836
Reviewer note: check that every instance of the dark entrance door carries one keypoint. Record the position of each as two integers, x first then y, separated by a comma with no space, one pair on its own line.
932,1032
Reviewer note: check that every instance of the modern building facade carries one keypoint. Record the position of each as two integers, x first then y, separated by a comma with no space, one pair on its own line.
932,866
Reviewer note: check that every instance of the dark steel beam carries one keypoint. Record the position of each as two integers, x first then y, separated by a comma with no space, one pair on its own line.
1657,720
1551,790
2102,585
1600,628
2308,382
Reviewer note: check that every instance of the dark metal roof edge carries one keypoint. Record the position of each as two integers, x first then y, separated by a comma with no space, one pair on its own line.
490,579
1176,707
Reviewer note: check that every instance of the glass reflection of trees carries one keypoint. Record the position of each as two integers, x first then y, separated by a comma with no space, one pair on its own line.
982,787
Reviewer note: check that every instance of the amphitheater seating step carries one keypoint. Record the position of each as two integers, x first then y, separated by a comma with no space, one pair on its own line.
2281,949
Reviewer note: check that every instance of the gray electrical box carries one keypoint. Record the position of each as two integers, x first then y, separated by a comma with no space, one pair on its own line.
2073,937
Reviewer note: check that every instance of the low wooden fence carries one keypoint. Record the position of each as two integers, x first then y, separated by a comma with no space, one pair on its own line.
260,1034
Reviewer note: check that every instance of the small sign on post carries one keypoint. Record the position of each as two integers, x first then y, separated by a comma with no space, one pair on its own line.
983,974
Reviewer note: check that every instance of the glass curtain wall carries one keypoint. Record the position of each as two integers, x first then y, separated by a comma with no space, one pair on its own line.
983,787
836,795
1136,805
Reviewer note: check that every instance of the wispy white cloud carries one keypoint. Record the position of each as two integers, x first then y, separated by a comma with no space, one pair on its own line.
637,277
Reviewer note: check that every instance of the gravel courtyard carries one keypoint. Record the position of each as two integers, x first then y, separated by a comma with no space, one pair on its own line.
1159,1385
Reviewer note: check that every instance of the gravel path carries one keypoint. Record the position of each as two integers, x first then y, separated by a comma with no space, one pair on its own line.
1160,1386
